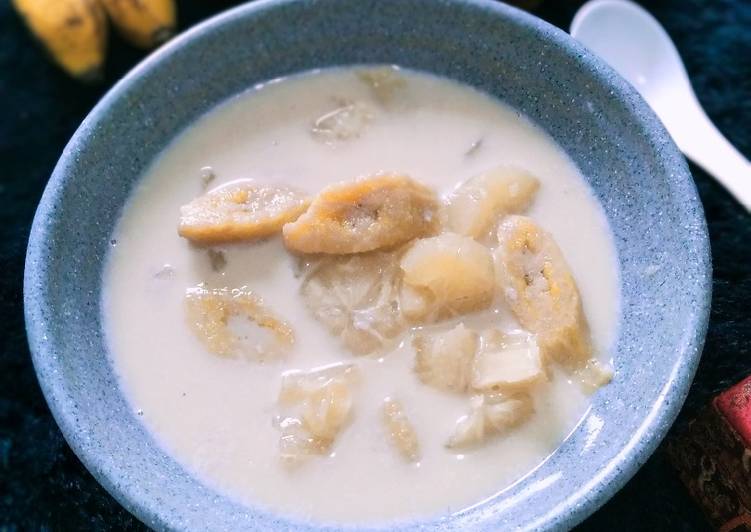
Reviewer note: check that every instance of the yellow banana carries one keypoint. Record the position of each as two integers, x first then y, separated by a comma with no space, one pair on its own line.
144,23
74,32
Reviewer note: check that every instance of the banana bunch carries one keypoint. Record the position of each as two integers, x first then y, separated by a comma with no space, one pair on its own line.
74,32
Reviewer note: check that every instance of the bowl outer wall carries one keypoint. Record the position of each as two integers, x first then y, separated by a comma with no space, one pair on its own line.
623,151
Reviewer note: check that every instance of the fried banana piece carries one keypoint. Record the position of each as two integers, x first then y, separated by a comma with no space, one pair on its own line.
240,211
366,214
489,416
477,203
541,292
444,360
455,269
210,312
400,430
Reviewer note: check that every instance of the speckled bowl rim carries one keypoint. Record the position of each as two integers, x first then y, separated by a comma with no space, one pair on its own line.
579,504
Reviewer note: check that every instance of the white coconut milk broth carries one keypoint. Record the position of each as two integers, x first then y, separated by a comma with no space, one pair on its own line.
214,415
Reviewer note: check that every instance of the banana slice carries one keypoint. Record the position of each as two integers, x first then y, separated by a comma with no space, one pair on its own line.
385,83
348,121
476,204
489,416
357,298
506,362
400,430
74,33
144,23
240,211
455,269
541,292
444,360
370,213
236,322
325,399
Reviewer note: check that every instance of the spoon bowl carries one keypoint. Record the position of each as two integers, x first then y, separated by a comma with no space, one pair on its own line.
635,44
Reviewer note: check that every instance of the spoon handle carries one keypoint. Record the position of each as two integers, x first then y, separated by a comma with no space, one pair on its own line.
703,143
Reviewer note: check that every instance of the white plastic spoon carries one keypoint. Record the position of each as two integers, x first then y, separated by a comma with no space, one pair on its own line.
639,48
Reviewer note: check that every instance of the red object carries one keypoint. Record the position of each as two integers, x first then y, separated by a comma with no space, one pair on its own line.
735,406
713,459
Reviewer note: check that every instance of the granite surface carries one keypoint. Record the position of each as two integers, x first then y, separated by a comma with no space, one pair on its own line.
42,484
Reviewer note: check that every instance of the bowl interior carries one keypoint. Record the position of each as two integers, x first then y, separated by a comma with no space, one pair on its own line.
624,153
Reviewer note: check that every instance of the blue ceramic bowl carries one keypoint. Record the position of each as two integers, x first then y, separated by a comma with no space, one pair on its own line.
623,151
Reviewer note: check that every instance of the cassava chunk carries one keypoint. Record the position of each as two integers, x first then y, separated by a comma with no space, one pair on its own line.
297,385
470,428
541,292
327,409
593,375
477,203
385,83
503,413
455,269
489,416
324,398
506,361
444,360
366,214
400,430
418,305
348,121
296,444
240,211
357,298
211,311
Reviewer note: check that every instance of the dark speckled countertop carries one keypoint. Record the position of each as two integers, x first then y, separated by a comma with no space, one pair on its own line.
43,486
